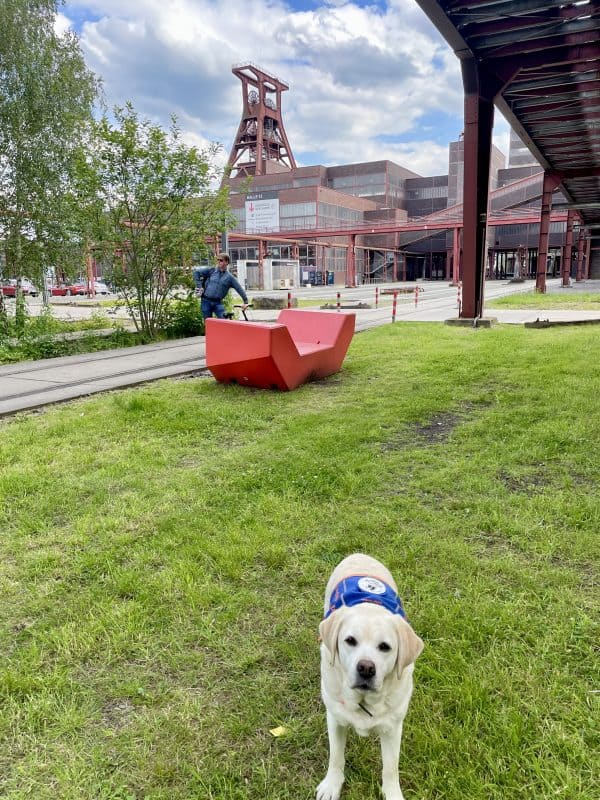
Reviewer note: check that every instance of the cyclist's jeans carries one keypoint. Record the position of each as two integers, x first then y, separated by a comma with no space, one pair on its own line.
210,307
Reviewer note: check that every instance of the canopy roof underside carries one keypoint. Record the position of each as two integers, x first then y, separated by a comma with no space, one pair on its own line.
544,60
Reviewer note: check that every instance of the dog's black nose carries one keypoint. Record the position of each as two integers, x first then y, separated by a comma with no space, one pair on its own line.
366,669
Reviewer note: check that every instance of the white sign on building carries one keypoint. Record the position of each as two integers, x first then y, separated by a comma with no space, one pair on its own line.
262,212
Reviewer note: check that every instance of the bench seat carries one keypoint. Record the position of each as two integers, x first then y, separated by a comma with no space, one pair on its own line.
301,346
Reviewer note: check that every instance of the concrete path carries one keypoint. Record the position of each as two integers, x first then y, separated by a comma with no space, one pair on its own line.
32,384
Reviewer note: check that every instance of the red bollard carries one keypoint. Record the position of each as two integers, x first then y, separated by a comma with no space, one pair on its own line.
394,306
377,297
289,300
338,301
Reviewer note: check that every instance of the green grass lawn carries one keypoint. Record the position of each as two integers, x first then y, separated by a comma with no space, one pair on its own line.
165,550
583,301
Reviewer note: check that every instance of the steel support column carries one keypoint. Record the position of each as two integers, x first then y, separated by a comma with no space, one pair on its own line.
351,261
568,250
262,249
580,256
455,256
551,181
479,119
586,257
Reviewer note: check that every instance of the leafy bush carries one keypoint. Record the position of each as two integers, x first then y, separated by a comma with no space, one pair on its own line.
44,324
34,349
183,318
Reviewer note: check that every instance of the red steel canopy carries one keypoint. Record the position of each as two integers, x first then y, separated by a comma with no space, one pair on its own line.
539,64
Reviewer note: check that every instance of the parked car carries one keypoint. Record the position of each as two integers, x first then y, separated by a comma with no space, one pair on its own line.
68,289
78,288
29,288
9,287
58,291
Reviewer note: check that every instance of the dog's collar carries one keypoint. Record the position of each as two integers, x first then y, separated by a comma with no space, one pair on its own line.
364,589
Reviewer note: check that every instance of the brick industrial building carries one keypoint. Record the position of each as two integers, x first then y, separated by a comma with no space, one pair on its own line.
374,221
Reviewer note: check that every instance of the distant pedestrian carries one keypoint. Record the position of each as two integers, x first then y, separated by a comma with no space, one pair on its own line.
214,284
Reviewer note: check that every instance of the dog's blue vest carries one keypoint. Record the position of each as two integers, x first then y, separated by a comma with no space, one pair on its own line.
364,589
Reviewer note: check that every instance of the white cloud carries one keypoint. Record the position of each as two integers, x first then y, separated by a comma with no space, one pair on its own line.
61,24
365,83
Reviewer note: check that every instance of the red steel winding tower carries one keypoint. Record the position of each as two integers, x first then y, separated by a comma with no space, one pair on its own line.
260,146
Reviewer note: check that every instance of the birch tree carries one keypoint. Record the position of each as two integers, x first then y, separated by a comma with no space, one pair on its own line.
151,207
46,101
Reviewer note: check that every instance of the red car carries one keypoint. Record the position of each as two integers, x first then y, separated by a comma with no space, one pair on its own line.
69,289
9,288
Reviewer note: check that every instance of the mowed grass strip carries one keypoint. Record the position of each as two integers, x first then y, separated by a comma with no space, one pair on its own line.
164,553
565,298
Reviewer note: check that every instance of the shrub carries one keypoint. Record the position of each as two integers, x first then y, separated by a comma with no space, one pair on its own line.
183,318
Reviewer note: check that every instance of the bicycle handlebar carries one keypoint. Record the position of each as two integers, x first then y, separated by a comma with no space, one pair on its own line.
239,305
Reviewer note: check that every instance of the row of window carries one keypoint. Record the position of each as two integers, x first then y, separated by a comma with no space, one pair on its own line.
307,254
356,180
315,180
297,210
427,192
329,211
533,229
298,223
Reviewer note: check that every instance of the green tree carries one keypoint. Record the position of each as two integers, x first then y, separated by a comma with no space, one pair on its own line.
46,101
150,209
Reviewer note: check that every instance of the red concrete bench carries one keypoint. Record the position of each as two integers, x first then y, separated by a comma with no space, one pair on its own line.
301,346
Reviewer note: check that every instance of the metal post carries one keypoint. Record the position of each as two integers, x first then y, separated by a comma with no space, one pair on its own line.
261,266
456,256
551,181
586,257
568,251
480,90
351,261
580,257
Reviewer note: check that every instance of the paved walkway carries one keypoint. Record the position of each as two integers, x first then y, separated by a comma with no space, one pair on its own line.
32,384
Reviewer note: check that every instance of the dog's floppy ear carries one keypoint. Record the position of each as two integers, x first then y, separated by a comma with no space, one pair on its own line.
409,645
328,633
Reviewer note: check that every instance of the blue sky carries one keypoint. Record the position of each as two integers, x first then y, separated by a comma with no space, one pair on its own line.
368,80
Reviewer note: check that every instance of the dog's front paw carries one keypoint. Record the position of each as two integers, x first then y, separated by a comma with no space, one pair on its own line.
392,793
331,786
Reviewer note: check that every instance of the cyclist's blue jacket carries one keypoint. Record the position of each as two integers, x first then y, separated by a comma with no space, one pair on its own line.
218,283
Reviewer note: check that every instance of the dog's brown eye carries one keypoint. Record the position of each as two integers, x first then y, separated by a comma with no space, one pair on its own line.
384,647
350,640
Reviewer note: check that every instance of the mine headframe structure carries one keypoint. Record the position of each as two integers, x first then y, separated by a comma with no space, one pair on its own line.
260,145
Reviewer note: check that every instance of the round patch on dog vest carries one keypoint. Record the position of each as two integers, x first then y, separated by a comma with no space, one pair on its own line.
371,585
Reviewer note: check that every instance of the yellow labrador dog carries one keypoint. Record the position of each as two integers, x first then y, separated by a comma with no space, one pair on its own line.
368,651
